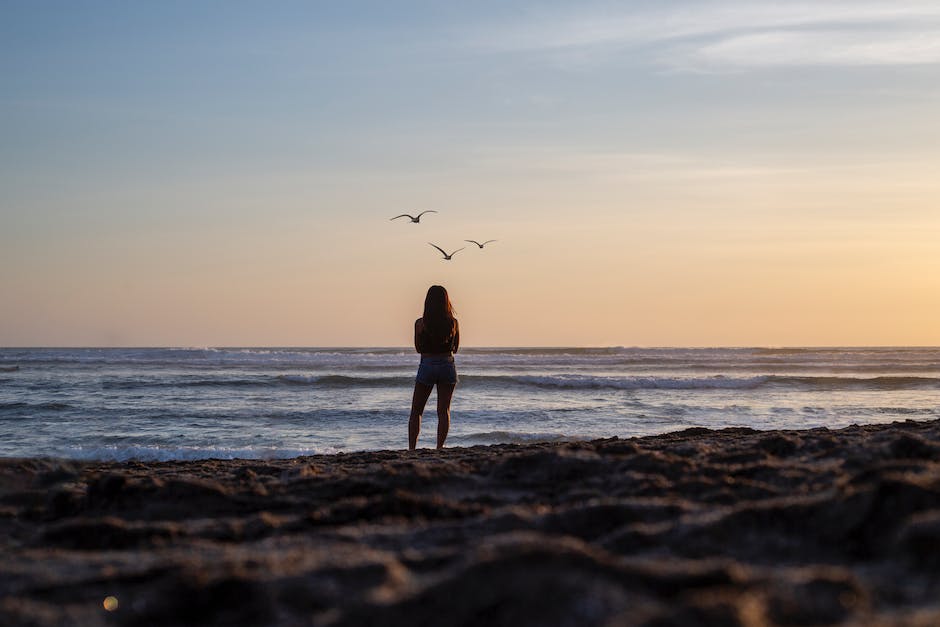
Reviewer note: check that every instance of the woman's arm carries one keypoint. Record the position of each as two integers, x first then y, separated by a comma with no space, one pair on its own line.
419,327
456,335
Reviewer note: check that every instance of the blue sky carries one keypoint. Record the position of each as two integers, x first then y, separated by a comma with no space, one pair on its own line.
295,84
164,144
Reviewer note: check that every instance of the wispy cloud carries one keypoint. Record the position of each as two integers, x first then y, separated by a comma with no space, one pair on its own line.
718,34
625,165
822,47
689,167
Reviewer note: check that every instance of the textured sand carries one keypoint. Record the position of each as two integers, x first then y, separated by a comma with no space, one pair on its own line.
730,527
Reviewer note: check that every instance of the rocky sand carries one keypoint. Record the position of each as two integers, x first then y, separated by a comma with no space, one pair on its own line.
699,527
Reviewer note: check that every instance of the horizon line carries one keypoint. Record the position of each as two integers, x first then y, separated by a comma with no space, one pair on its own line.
478,347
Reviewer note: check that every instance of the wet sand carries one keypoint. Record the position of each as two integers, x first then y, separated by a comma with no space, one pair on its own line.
700,527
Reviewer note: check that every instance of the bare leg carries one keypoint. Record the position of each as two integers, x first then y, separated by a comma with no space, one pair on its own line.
418,401
445,392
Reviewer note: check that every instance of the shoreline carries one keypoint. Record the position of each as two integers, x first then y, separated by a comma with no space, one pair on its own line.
729,526
522,443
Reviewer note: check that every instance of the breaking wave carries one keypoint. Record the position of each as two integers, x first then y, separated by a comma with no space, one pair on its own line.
559,381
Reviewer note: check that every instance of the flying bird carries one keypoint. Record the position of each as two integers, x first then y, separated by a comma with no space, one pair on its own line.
472,241
446,256
416,219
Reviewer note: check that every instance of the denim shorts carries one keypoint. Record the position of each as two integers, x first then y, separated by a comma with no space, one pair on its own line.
433,370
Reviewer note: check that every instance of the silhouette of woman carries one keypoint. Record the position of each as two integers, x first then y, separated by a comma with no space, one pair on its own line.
437,338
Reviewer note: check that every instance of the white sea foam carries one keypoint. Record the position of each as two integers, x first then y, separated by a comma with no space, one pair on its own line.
714,382
145,453
643,383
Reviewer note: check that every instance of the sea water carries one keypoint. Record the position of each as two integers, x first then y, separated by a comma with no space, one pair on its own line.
195,403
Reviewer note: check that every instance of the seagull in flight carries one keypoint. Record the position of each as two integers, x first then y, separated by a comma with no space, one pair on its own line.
472,241
416,219
446,256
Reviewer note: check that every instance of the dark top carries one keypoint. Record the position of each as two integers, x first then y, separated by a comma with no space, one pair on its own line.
427,345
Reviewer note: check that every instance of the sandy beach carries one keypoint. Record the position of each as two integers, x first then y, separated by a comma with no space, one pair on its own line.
699,527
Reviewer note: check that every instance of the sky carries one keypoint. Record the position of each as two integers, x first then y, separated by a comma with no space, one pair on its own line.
670,173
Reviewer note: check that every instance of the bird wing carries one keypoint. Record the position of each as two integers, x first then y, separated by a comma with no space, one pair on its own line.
456,251
490,240
472,241
424,212
404,215
439,248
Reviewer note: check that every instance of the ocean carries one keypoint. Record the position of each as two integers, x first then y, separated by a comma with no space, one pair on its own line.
196,403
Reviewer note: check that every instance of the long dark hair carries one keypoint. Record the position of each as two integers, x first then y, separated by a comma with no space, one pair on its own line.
439,322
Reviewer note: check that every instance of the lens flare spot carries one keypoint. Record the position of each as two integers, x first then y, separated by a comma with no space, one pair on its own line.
110,603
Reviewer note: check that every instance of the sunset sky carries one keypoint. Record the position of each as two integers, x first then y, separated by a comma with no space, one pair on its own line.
666,173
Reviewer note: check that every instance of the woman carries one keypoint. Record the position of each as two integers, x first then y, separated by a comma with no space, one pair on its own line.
437,337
